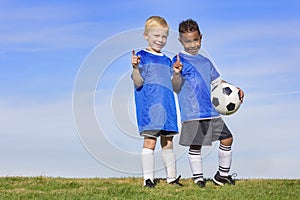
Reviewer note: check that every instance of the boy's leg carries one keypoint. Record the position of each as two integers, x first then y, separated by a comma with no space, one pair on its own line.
225,156
148,159
223,134
168,157
195,161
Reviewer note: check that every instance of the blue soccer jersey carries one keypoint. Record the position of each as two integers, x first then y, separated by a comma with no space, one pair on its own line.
155,103
195,95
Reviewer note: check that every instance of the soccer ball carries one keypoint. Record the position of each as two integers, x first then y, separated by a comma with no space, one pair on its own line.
225,98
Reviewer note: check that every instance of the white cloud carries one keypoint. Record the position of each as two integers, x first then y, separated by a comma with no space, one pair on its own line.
50,38
270,40
48,26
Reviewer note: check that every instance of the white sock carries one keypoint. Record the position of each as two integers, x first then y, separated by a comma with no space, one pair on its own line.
169,161
148,164
225,157
196,164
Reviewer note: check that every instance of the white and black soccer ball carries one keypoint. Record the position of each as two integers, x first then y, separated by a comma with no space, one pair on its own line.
225,98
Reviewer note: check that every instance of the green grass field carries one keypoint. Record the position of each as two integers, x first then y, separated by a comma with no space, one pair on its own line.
131,188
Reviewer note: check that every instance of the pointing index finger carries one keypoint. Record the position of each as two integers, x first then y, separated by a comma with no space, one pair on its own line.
133,52
178,58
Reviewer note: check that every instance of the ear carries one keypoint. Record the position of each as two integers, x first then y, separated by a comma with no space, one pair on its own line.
179,40
146,36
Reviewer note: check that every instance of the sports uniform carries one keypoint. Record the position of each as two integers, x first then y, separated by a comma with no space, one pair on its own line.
155,103
201,123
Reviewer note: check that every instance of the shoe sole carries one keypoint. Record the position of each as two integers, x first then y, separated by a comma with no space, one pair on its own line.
217,182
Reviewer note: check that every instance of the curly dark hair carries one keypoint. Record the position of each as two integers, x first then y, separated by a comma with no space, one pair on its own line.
188,26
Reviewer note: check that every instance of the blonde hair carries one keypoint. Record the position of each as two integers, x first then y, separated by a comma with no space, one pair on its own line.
156,21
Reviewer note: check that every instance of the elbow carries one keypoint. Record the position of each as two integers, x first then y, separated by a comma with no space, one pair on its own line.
138,84
176,88
177,84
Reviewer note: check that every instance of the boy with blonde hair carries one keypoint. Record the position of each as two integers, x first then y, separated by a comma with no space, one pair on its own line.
154,99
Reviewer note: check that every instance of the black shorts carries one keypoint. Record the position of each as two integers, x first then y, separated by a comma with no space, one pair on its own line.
203,132
155,134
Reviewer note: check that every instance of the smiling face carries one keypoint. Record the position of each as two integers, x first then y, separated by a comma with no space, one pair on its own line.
191,42
157,38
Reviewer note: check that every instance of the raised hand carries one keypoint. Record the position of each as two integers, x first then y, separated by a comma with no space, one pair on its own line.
177,66
135,60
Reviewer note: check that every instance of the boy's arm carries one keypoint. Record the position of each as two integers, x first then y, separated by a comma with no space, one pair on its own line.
137,78
216,82
136,75
241,92
177,78
177,82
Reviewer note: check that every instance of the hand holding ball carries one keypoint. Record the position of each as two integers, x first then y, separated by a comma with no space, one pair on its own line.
226,98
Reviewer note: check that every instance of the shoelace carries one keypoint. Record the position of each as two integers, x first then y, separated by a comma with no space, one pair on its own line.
176,181
233,175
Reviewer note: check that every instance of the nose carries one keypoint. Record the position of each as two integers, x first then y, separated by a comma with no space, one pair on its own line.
193,44
160,39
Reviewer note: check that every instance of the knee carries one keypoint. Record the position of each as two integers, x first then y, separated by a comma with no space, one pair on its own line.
167,142
227,141
149,143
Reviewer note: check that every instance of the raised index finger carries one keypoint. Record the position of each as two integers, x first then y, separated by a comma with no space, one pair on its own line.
133,52
178,58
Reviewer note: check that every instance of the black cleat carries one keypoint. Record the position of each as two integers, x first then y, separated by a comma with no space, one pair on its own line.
221,180
176,181
149,184
201,183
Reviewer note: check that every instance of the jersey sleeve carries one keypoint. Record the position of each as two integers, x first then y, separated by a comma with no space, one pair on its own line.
214,74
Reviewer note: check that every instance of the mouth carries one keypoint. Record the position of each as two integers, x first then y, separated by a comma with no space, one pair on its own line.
193,49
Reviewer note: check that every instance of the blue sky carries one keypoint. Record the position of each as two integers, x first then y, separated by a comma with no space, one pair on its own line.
46,46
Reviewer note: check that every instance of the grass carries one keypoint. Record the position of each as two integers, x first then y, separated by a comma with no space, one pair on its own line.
131,188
